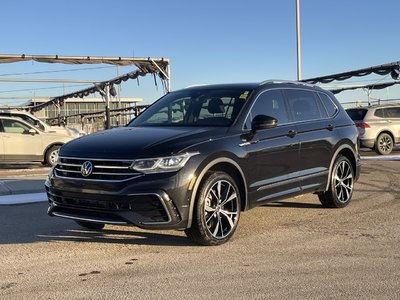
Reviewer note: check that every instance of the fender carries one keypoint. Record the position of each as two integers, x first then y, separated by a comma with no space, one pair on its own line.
340,148
51,145
200,178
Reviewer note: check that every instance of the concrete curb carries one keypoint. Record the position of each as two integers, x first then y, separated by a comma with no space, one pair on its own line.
16,187
22,198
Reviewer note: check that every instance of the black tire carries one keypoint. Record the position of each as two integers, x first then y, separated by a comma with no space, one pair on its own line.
90,225
341,184
50,158
384,144
217,210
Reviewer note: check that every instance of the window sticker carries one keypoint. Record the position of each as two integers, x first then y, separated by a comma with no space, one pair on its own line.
244,95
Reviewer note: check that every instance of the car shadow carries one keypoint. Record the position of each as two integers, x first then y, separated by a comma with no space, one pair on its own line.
115,236
29,223
288,204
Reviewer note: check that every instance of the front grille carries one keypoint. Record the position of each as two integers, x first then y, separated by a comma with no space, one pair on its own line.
103,169
148,206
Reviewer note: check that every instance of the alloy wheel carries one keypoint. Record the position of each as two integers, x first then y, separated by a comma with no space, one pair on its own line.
221,209
53,156
385,144
343,181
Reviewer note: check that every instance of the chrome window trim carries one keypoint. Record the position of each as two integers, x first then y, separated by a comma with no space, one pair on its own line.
294,122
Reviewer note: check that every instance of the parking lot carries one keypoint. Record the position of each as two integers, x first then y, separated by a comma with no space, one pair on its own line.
291,249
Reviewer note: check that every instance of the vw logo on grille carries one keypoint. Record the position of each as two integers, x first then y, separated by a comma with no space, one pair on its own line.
86,168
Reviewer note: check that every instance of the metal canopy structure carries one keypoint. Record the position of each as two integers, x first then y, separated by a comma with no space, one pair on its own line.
391,68
149,65
377,86
97,87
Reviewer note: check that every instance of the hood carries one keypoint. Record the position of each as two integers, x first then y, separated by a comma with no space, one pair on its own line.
139,142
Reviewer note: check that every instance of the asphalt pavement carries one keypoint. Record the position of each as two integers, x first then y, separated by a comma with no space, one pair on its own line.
291,249
24,182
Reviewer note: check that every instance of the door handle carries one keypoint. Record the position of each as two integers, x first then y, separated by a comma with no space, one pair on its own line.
330,127
291,133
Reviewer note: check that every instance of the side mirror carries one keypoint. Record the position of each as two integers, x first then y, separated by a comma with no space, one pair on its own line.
263,122
32,131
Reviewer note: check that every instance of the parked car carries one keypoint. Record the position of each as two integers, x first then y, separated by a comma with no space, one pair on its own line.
379,126
21,141
31,119
199,156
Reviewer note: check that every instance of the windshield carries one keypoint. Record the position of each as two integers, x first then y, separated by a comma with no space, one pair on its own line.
195,107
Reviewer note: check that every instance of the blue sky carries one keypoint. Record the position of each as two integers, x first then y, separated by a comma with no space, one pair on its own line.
206,41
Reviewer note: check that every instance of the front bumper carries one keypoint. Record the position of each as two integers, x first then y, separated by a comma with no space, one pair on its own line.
134,202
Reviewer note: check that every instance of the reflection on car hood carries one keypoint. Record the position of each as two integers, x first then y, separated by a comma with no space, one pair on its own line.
136,142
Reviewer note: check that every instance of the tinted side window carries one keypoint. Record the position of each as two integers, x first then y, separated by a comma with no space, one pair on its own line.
13,126
270,103
330,106
379,113
303,105
393,112
356,114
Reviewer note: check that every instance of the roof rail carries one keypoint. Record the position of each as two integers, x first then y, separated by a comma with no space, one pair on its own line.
287,81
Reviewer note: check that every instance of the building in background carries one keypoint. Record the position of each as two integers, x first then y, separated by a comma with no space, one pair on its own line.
89,112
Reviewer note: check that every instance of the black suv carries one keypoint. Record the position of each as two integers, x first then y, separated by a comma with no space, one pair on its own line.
199,156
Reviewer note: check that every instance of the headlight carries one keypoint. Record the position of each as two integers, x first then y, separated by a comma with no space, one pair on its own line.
162,164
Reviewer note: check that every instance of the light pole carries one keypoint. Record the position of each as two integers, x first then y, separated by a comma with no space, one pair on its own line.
298,39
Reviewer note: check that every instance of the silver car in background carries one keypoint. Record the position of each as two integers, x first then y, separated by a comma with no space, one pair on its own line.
23,142
39,124
378,125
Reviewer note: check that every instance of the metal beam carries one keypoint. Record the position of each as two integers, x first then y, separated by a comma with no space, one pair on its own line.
119,61
48,80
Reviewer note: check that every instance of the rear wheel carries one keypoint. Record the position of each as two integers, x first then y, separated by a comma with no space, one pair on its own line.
340,188
217,210
51,156
90,225
384,144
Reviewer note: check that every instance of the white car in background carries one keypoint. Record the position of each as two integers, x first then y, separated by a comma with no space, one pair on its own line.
23,142
31,119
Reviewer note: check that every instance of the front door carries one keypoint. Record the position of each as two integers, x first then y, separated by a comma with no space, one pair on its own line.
19,144
272,154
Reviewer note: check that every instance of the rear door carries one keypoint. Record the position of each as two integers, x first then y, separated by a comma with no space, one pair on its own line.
272,154
393,118
316,133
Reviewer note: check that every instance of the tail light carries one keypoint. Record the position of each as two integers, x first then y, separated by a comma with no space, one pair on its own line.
362,125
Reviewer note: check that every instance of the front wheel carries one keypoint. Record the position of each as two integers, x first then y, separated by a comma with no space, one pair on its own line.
217,210
51,156
341,184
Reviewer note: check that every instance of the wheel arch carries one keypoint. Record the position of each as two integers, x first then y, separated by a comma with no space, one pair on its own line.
385,131
229,166
347,151
50,146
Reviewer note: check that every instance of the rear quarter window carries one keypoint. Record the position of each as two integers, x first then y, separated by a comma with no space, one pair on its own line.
329,105
379,113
